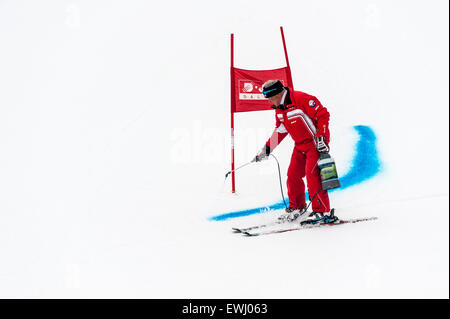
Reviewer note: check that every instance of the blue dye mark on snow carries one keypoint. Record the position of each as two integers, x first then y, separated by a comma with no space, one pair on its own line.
365,165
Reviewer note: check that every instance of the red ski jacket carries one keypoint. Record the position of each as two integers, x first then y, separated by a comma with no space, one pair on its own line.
303,117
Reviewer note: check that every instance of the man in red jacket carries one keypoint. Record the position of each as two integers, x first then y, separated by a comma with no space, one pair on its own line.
303,117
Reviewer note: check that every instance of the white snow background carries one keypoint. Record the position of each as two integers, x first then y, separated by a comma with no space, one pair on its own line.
114,144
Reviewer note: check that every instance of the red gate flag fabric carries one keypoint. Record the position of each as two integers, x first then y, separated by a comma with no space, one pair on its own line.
248,88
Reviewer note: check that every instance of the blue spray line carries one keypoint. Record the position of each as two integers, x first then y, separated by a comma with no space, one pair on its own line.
365,165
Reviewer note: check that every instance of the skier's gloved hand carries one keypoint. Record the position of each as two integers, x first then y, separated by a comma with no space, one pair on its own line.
260,157
263,155
322,146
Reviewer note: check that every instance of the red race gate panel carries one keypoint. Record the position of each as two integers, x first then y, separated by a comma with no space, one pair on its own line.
248,88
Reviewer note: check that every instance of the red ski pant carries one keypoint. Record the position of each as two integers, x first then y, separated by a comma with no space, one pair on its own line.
304,163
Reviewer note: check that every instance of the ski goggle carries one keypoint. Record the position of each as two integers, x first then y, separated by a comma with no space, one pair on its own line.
268,91
272,92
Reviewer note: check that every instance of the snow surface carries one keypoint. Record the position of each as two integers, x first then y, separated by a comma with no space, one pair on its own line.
114,138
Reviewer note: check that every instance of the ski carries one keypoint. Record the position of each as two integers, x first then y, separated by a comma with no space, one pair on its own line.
274,223
247,229
307,226
277,222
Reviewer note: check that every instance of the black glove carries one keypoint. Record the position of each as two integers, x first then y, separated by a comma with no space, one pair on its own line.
265,152
322,146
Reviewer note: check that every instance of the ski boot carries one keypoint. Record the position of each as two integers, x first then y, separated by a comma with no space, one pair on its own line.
321,218
290,215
